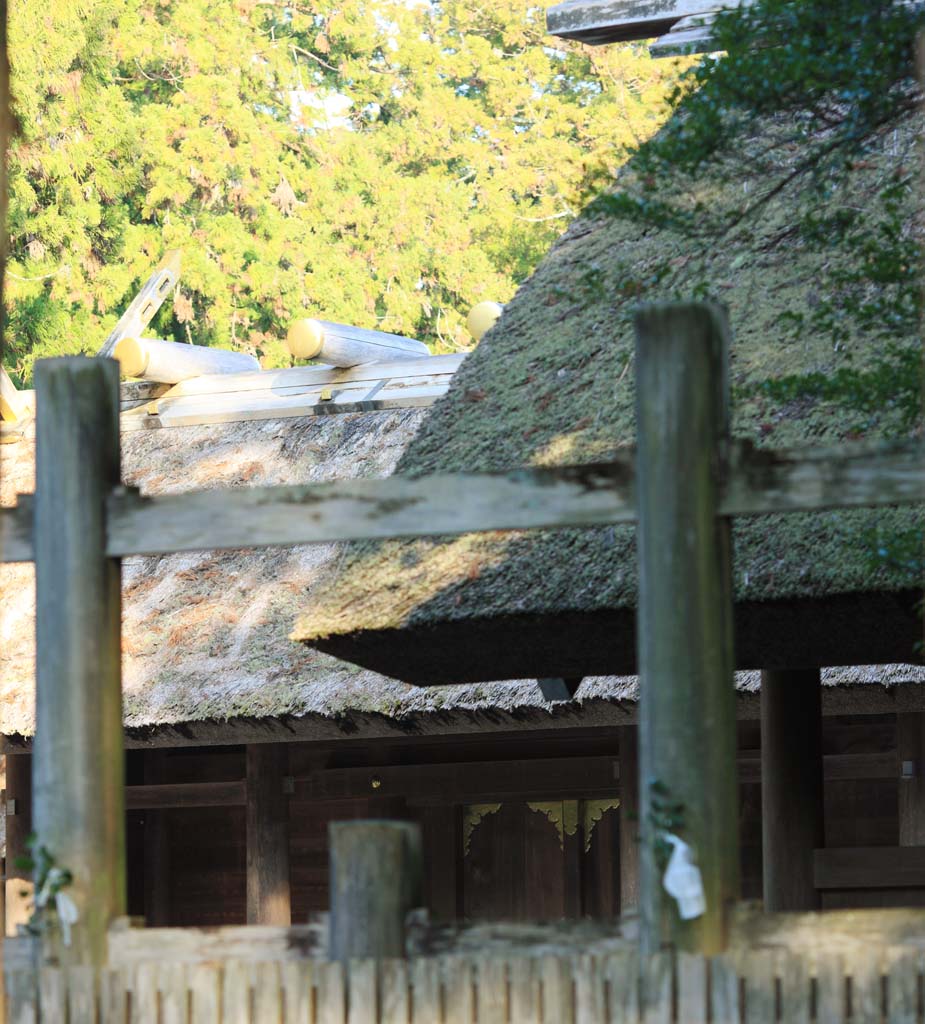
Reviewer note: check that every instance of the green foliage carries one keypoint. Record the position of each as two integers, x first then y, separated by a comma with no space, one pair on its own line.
377,162
50,881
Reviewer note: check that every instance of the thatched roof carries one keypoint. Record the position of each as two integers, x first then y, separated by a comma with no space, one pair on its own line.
206,650
553,383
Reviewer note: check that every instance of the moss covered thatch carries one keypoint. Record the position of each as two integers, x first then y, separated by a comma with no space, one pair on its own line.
553,384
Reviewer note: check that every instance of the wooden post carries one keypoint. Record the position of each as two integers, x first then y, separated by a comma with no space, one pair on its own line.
792,818
629,818
78,759
376,878
268,900
910,741
18,829
687,741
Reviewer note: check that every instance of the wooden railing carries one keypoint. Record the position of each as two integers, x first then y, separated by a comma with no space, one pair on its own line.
760,986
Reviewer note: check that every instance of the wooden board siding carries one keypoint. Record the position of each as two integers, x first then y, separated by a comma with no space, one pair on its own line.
516,865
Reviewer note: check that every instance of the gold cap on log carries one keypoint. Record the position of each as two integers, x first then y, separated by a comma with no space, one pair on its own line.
305,338
133,359
482,318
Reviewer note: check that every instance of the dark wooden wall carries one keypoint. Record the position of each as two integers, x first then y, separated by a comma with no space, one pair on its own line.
516,863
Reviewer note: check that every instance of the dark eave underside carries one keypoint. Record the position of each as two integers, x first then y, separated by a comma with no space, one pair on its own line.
849,629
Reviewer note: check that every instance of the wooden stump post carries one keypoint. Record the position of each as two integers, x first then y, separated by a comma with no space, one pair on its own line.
629,818
687,737
792,819
78,759
18,895
376,878
268,900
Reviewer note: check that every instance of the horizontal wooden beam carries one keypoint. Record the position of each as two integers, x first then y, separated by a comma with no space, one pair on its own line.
364,509
757,482
870,867
543,778
185,794
613,21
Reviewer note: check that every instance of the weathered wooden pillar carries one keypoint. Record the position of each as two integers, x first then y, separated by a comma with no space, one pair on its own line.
910,740
376,878
687,740
268,899
78,760
629,818
18,893
792,809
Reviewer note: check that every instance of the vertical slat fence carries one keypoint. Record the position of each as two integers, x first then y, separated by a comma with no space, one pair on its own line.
762,986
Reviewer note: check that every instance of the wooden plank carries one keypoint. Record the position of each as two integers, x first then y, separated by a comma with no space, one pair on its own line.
556,980
268,899
171,982
758,968
467,781
164,796
424,974
847,476
795,988
902,972
356,509
205,984
589,991
22,995
870,867
462,503
317,377
866,970
459,1002
146,303
267,993
138,946
53,995
831,990
687,705
792,810
491,991
236,993
114,987
189,412
78,766
395,994
725,1003
621,971
693,972
361,992
656,976
16,531
82,993
331,998
144,993
525,991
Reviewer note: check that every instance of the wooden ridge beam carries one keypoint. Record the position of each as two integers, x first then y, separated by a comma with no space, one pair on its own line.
757,482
